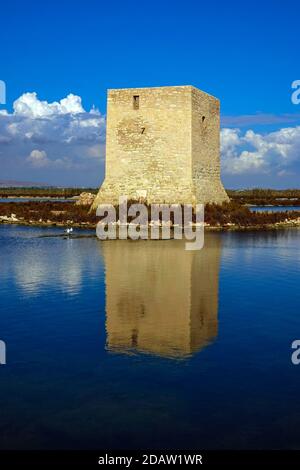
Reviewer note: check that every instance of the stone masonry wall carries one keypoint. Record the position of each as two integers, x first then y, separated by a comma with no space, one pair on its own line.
206,148
160,150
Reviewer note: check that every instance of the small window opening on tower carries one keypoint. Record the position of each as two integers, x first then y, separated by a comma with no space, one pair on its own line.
136,102
203,118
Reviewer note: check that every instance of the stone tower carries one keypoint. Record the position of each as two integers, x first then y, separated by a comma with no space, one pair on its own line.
162,146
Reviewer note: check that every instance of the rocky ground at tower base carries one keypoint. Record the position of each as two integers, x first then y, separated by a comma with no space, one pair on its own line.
228,216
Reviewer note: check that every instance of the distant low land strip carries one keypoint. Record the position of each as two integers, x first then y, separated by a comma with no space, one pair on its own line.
49,192
256,196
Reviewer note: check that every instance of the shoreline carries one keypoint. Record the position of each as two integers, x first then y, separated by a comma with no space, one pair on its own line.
229,216
213,228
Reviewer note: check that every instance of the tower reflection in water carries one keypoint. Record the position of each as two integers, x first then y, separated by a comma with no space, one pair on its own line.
160,298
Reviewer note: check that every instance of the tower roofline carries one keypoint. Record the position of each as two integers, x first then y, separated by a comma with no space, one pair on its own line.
131,89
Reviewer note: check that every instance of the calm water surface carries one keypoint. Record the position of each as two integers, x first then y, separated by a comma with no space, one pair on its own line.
125,344
274,208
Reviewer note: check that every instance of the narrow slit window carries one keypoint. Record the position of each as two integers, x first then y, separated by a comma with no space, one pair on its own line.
136,102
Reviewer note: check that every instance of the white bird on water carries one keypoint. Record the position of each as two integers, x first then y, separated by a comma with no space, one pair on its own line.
69,230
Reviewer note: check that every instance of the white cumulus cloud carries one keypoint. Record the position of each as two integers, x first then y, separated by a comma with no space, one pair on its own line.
57,139
38,158
30,106
276,152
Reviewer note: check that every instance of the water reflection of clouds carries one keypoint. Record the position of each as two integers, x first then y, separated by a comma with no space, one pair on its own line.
160,298
50,263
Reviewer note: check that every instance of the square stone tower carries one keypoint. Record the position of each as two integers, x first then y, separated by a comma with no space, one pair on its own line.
162,146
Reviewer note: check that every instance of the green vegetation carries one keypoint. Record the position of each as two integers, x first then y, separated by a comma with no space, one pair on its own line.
45,192
266,197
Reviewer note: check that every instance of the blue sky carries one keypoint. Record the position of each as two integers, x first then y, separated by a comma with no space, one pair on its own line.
245,53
